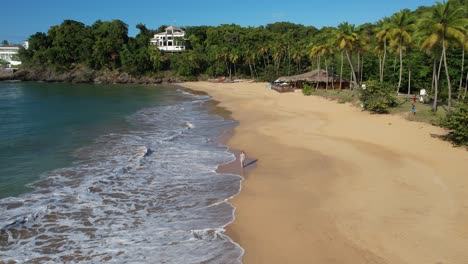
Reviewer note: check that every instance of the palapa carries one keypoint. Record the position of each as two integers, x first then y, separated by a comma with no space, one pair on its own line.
312,76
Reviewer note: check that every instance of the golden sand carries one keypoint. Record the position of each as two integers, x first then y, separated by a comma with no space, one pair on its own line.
334,184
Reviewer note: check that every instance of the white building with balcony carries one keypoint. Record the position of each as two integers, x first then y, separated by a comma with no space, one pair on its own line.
172,40
9,53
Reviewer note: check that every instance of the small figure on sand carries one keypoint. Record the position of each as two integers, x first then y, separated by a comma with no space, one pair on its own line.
242,159
413,109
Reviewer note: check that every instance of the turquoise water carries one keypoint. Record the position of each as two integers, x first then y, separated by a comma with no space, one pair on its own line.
118,173
41,124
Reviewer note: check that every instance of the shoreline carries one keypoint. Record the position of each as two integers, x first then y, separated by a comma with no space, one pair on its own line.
337,185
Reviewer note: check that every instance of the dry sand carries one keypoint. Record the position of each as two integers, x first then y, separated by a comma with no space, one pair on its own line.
337,185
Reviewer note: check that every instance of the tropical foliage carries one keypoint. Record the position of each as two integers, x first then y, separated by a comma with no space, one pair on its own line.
377,97
457,122
306,90
420,49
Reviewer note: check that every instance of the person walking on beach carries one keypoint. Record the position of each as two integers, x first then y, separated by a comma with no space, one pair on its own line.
413,109
242,159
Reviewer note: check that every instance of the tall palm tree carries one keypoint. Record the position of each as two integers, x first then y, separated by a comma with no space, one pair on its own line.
346,38
297,57
464,46
361,47
401,27
322,51
446,25
263,51
250,60
315,52
383,37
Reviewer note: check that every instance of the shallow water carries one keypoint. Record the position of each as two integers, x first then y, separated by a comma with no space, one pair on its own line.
139,187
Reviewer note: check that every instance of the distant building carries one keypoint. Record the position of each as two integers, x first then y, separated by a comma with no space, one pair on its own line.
172,40
9,53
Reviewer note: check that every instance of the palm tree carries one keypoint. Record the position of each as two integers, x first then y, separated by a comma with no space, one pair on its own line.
297,57
250,59
383,36
445,25
277,56
315,52
464,46
322,51
362,47
263,51
346,38
233,59
401,26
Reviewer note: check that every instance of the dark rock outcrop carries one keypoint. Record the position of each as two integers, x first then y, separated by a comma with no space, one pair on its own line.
82,74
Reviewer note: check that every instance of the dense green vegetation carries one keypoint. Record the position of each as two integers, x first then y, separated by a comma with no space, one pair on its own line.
457,123
377,97
306,89
408,51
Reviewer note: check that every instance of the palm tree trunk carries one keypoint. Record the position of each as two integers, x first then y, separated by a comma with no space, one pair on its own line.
466,86
251,71
289,61
462,71
362,68
359,65
409,78
401,69
351,65
333,75
383,60
326,69
436,84
380,69
448,77
318,70
440,66
433,74
235,70
435,78
341,71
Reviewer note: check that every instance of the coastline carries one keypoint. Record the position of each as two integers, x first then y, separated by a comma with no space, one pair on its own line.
337,185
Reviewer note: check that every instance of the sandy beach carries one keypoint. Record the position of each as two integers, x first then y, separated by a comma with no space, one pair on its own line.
334,184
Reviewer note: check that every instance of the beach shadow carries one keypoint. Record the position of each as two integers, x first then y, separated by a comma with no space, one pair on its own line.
251,162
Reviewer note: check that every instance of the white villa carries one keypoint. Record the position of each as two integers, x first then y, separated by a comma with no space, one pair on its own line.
8,52
171,41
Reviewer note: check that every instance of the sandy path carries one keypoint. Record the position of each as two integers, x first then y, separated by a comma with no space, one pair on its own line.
337,185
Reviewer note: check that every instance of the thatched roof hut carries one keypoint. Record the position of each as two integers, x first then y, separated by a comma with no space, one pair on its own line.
312,76
320,78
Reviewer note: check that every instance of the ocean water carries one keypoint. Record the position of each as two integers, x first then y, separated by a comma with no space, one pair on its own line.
113,174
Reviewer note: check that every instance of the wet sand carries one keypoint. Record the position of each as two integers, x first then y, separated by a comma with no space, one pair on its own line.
337,185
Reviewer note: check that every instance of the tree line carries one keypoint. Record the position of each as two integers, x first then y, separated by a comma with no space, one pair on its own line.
408,51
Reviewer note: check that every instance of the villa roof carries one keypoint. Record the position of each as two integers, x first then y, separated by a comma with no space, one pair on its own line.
11,46
312,76
173,28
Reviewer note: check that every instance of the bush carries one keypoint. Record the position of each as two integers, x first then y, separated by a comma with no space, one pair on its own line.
377,98
457,122
306,89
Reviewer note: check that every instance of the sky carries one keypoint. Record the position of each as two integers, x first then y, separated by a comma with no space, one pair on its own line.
21,19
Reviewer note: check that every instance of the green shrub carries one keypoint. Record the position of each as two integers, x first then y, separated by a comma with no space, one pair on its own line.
377,98
306,89
457,122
